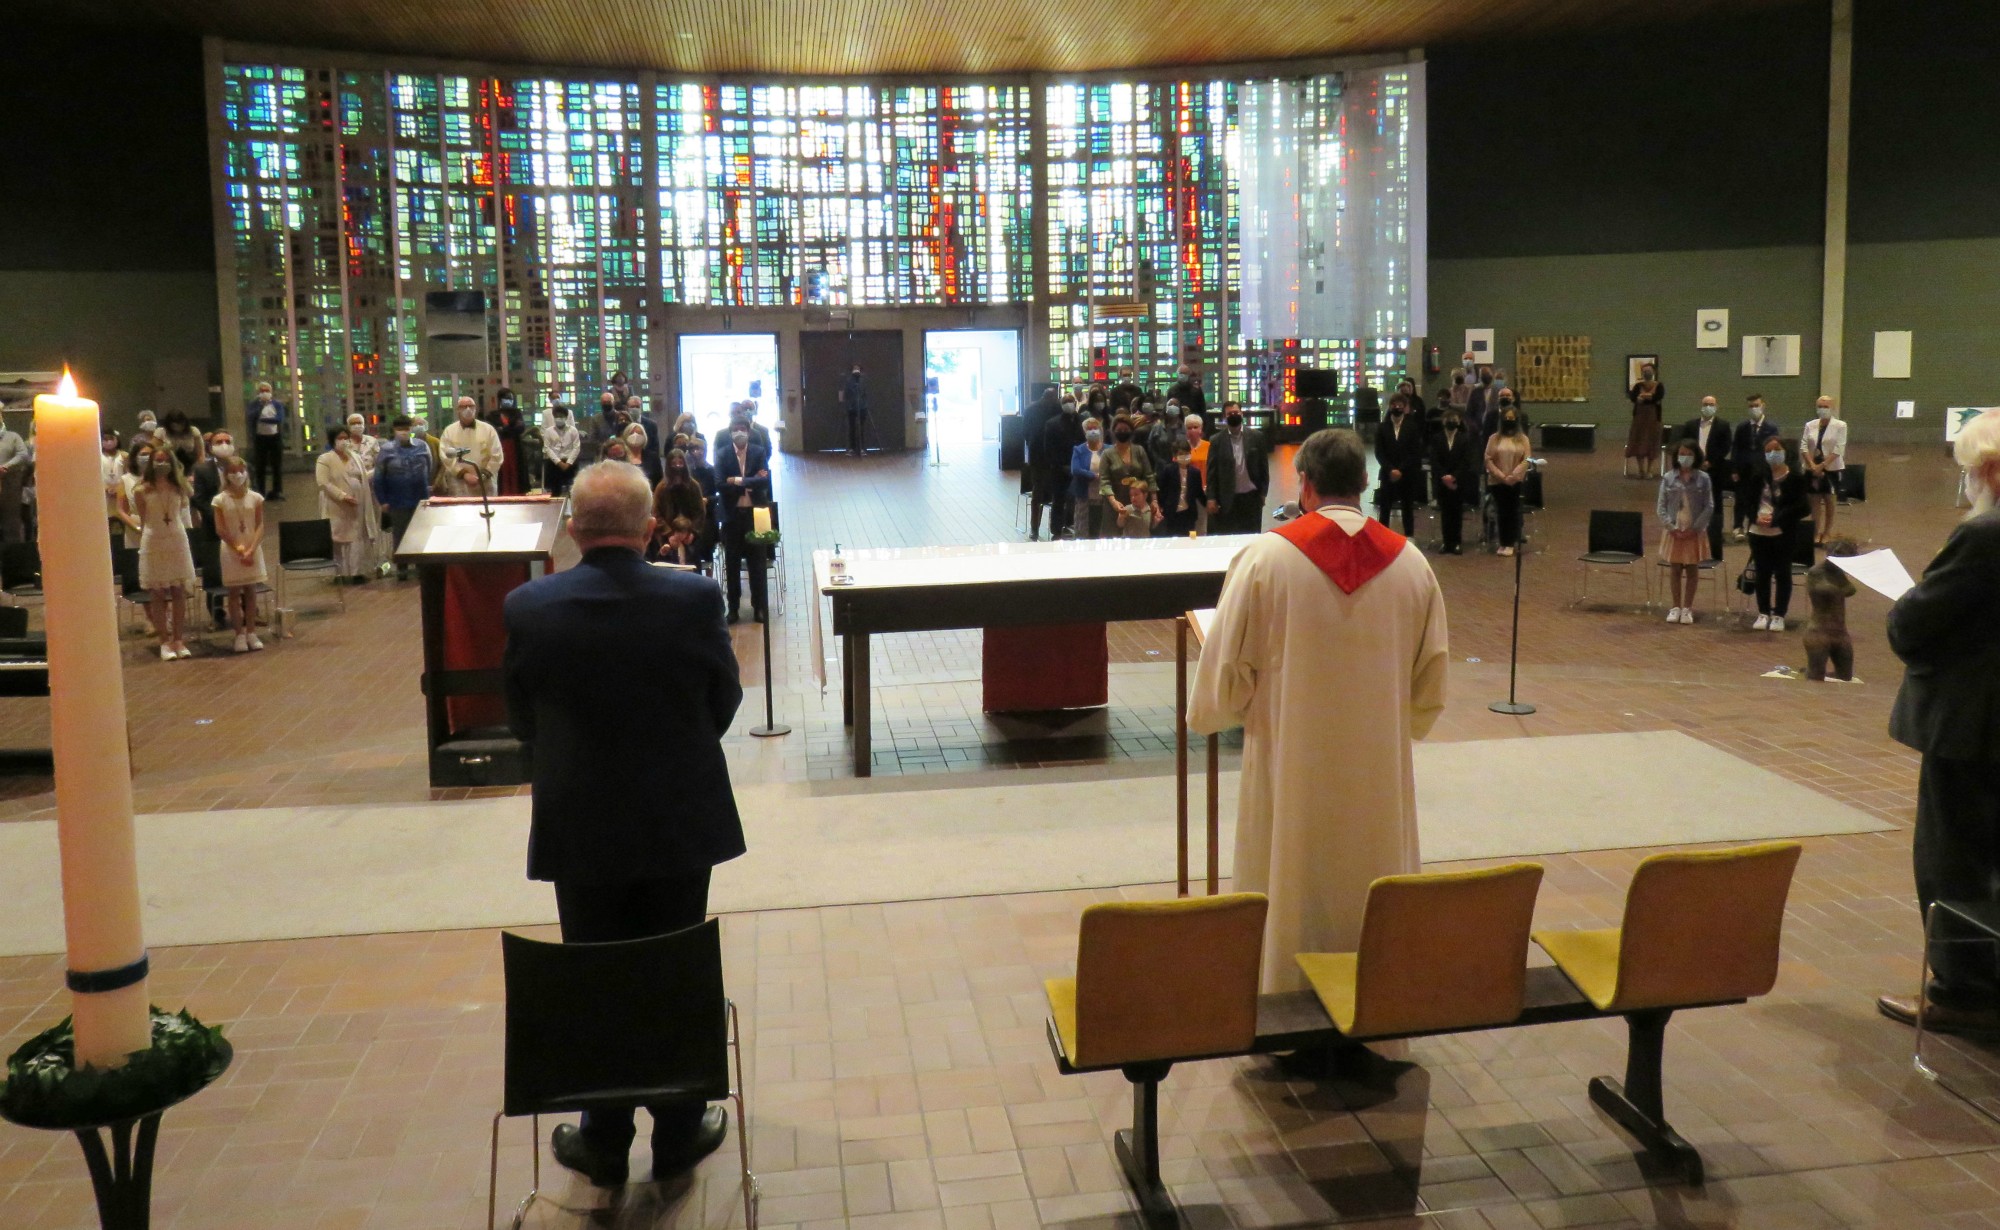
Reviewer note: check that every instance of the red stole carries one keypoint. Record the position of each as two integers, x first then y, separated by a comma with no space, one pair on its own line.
1350,560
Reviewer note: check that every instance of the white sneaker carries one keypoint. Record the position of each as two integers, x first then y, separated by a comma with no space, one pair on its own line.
1777,623
1674,616
1687,614
183,652
166,653
1760,623
254,642
242,643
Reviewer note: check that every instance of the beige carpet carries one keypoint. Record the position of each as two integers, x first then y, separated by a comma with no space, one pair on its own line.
280,873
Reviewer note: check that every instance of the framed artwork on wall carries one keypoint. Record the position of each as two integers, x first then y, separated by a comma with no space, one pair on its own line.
1634,362
1555,367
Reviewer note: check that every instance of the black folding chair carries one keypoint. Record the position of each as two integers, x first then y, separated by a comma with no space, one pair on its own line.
20,571
208,562
307,546
1617,540
1852,484
617,1026
125,579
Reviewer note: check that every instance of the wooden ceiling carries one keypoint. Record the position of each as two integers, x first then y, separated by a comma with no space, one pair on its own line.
864,37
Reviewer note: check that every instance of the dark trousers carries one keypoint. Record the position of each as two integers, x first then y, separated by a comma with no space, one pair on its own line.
1401,493
1746,501
634,910
1772,554
1715,516
1956,850
1507,512
738,555
556,479
12,527
1451,515
399,524
267,464
854,432
1244,516
1062,509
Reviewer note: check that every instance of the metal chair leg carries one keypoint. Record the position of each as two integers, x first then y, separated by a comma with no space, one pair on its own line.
751,1193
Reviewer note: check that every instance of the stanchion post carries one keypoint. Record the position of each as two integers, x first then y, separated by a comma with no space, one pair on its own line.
770,729
1511,706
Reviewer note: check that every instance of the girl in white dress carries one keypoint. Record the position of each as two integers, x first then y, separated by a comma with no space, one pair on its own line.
166,564
341,487
239,523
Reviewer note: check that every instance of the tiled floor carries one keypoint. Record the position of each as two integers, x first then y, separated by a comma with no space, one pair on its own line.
899,1074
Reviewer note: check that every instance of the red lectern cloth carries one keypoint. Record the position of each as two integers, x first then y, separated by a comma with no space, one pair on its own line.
475,637
1047,666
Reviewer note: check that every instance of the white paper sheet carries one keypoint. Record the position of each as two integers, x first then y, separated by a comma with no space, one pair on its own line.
454,538
517,536
1879,570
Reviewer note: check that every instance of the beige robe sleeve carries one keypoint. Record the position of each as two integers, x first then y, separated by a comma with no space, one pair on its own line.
1427,673
1225,677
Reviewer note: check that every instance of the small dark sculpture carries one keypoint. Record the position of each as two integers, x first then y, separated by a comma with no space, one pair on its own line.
1828,589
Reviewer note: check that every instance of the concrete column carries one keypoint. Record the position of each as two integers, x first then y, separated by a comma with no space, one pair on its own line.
1833,280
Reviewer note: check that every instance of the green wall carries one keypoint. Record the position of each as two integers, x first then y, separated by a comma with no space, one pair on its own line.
1641,303
111,328
1947,293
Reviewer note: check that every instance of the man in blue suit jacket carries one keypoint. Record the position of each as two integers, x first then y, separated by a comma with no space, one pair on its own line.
743,474
628,849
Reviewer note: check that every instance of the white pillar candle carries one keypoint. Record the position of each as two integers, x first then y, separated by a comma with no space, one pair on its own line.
100,869
760,520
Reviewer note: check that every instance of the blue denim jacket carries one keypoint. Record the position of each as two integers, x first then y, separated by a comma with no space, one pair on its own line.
1695,491
403,473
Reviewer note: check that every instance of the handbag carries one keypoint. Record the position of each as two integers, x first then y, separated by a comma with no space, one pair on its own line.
1746,581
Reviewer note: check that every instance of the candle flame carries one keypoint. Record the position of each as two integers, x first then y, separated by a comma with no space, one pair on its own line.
67,386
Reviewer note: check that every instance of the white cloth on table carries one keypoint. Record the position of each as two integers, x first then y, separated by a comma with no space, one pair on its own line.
235,520
165,559
1330,688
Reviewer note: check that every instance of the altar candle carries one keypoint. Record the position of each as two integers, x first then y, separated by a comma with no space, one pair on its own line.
760,520
100,869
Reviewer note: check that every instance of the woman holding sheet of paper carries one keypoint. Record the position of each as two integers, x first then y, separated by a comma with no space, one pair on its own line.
1949,710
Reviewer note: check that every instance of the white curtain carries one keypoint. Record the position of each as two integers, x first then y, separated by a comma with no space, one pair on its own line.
1330,200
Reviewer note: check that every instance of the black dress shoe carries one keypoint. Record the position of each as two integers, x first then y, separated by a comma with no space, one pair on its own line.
735,616
761,617
570,1148
1941,1018
683,1155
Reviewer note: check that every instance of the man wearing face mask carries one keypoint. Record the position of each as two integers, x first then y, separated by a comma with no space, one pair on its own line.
269,423
1239,476
854,400
1823,454
206,479
1060,436
1480,404
1746,457
1948,709
470,443
743,472
562,443
1399,454
1712,438
403,474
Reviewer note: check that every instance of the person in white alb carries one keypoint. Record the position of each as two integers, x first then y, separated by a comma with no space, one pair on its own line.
468,442
1329,650
1823,455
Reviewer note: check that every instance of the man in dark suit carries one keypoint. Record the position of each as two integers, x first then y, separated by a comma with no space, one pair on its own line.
1746,460
1239,475
1060,436
1034,435
1399,450
743,475
1457,457
1949,709
628,852
1711,435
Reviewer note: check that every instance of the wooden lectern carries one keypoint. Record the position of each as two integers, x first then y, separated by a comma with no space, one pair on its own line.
469,555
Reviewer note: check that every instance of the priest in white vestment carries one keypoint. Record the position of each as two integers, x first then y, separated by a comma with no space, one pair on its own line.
1328,648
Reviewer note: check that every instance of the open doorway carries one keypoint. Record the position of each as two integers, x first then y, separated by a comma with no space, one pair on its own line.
720,368
977,375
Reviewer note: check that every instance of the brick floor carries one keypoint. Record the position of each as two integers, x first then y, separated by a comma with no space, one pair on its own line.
899,1075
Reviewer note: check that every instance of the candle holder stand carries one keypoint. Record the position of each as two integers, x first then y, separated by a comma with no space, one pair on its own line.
771,729
121,1176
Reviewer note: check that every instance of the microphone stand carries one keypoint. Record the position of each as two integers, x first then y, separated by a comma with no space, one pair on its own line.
1511,706
485,506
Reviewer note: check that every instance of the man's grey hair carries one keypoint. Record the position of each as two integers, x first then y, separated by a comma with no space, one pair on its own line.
610,499
1335,462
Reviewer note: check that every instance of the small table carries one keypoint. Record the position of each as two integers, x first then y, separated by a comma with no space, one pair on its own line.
1197,624
1569,437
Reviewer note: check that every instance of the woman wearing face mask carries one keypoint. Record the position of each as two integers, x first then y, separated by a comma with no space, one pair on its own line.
1823,454
166,564
1126,474
367,450
184,440
635,452
1778,505
1086,484
681,508
1506,469
1642,443
343,491
1687,501
239,523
